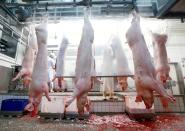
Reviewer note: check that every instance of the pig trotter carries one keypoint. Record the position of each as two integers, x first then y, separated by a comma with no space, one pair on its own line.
46,92
29,107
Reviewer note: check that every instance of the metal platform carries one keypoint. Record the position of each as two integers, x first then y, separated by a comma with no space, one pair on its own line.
137,110
55,108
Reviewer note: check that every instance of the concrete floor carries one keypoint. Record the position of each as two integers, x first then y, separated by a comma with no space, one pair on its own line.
95,123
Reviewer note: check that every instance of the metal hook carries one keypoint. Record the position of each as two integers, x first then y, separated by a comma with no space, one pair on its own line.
46,7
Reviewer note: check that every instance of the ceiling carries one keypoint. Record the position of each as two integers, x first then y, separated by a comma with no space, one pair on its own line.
34,10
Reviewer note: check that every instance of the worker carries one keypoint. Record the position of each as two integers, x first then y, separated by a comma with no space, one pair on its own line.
51,67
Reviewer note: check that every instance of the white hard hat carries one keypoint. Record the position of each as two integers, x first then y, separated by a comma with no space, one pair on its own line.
52,55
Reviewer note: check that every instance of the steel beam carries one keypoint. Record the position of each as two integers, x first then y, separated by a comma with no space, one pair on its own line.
174,15
9,13
60,4
165,9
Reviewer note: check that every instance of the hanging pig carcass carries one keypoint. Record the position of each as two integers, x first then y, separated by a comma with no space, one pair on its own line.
84,65
122,68
29,59
145,79
39,77
160,57
60,61
107,69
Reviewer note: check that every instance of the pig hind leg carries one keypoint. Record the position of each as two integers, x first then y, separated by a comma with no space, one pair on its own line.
162,77
75,94
46,91
111,92
158,87
20,74
104,91
36,103
29,107
104,95
144,94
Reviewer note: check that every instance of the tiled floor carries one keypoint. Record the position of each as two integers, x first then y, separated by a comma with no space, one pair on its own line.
119,122
123,123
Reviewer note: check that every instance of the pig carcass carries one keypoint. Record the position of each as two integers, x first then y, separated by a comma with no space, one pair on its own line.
84,65
160,57
39,77
122,67
60,61
145,79
33,39
29,58
107,69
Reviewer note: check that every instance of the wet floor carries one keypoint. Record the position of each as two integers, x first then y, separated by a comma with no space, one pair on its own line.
120,122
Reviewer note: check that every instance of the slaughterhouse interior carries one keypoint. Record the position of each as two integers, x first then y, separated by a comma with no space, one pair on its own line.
97,65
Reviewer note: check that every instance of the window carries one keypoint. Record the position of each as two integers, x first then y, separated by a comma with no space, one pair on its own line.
8,44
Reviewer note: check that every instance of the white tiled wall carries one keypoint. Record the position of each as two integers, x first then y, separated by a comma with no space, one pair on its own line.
178,106
118,106
56,105
99,106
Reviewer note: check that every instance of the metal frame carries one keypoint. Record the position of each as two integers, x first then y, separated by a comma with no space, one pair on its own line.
73,4
180,80
39,7
44,7
165,12
175,15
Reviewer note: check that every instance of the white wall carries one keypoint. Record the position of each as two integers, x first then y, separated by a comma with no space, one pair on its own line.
105,27
176,41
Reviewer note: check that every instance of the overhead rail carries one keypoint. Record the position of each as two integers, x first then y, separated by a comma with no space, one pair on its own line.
74,3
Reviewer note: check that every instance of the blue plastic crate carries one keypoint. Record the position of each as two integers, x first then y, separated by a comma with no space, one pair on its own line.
14,104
